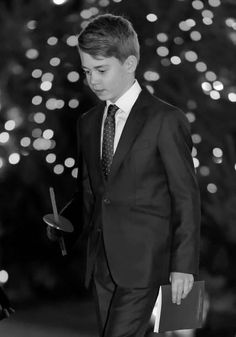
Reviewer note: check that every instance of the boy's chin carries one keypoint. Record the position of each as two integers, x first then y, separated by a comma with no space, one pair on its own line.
102,96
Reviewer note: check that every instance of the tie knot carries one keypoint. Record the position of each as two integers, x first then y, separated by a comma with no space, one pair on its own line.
112,110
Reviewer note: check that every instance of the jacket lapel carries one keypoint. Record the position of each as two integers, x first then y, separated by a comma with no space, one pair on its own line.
94,138
131,130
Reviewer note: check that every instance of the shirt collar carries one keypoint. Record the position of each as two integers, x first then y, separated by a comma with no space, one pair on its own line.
127,100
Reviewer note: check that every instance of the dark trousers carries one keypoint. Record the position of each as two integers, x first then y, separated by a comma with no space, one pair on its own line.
121,312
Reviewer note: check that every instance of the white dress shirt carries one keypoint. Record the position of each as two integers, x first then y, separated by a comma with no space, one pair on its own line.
125,104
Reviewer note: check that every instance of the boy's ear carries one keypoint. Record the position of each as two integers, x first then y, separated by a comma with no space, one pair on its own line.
131,63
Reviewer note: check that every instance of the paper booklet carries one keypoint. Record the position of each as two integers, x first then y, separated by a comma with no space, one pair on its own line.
187,315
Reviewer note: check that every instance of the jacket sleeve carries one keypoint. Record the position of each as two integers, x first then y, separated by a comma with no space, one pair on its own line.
175,146
79,209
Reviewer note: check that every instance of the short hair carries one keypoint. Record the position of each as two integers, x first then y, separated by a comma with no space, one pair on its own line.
109,35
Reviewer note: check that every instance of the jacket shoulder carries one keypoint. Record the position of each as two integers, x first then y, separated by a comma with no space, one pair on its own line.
165,109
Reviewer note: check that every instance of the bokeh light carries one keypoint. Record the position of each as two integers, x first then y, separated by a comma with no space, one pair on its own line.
52,40
73,103
212,188
58,169
4,137
14,158
162,51
10,125
3,276
51,158
151,17
197,4
59,2
25,141
151,76
175,60
39,117
162,37
69,162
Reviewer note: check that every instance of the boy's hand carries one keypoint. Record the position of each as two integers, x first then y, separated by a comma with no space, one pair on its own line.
53,234
181,284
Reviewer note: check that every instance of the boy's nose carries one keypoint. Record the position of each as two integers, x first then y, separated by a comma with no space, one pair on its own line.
93,78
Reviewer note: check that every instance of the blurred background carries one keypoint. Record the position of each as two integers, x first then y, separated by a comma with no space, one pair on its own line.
187,58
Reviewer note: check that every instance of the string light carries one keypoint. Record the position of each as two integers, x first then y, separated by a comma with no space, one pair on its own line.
59,2
191,56
217,85
14,158
196,162
212,188
195,35
32,54
151,76
73,76
36,73
69,162
151,17
10,125
215,95
194,151
191,117
52,40
204,171
47,77
39,117
232,96
4,276
37,100
72,41
206,86
54,61
175,60
162,37
4,137
207,21
46,86
214,3
73,103
162,51
74,173
25,141
197,4
178,40
51,158
48,134
217,152
31,24
196,138
201,66
58,169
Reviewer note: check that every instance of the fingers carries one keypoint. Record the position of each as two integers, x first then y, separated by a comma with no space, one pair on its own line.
188,284
181,285
177,290
53,234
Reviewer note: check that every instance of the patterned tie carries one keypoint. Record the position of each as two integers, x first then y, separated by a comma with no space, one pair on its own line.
108,139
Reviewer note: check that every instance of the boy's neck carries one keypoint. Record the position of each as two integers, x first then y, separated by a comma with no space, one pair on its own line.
129,85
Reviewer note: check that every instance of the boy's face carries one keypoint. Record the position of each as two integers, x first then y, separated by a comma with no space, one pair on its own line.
107,77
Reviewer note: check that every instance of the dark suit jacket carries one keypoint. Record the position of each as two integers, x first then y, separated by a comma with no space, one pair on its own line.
149,208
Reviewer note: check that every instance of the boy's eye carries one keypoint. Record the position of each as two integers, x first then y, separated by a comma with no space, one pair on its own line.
86,72
89,72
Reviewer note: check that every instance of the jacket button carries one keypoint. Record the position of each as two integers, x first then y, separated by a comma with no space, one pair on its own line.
106,201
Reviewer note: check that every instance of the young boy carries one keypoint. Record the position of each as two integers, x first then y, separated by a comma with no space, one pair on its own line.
137,190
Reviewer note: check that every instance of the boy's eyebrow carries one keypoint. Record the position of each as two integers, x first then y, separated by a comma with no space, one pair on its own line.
101,66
